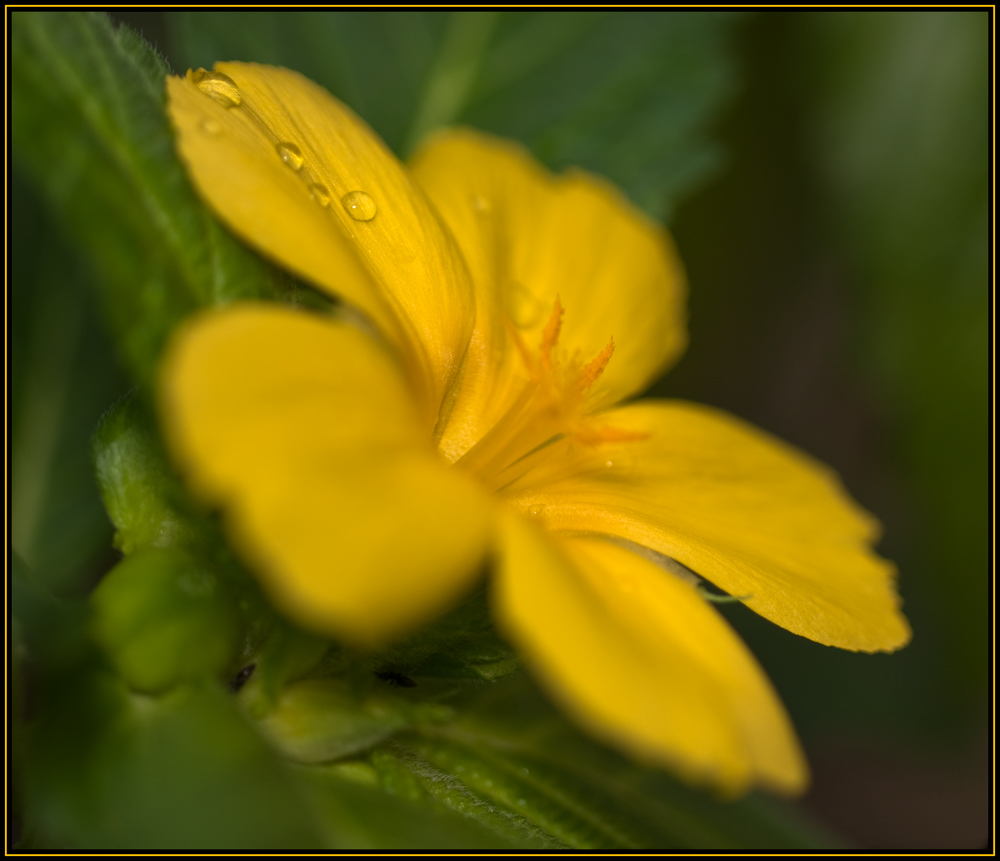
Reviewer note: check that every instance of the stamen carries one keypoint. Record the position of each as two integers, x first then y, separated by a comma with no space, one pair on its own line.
548,414
595,367
550,335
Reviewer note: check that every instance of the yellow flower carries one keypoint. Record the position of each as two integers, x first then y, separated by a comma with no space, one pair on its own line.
369,475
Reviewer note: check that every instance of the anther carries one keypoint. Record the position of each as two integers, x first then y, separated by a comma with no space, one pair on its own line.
595,367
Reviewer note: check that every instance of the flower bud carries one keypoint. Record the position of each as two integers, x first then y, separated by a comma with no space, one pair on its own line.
163,618
321,719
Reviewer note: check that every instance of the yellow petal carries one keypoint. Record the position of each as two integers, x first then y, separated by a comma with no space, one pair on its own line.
304,432
741,508
298,175
528,237
643,661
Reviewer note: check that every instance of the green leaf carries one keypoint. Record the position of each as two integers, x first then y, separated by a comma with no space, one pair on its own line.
113,771
512,763
90,128
48,629
359,815
627,95
63,374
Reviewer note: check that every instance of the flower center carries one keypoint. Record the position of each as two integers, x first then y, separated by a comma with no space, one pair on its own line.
548,410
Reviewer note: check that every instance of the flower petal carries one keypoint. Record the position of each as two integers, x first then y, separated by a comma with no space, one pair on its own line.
742,509
641,659
298,175
528,237
304,432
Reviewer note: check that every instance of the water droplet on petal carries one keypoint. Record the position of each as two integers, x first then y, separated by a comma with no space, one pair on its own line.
525,771
535,510
210,127
359,205
220,87
320,194
290,154
481,204
609,463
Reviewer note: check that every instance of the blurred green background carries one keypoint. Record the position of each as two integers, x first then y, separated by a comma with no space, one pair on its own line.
826,176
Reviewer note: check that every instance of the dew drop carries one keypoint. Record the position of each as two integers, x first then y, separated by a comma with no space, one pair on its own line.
290,154
535,510
481,204
220,87
210,127
521,802
609,463
489,783
320,194
525,771
359,205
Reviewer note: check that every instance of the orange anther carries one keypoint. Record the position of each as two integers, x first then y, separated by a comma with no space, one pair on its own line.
595,367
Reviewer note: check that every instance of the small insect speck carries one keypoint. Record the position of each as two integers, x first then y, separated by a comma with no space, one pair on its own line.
396,679
242,677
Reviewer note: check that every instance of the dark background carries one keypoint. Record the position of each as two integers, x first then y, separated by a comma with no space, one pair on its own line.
839,272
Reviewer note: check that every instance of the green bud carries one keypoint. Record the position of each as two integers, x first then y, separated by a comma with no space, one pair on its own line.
163,618
322,719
